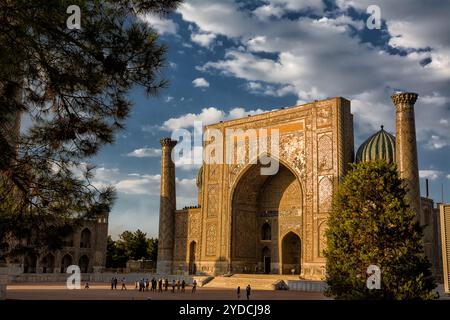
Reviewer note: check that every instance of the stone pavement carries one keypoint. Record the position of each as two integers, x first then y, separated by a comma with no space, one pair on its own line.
101,291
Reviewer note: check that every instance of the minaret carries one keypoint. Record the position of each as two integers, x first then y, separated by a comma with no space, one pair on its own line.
167,206
406,146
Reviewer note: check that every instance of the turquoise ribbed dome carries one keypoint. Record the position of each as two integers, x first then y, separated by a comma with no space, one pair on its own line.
379,146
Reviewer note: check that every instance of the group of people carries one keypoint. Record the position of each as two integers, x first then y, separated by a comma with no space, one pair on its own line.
154,285
114,282
248,291
161,285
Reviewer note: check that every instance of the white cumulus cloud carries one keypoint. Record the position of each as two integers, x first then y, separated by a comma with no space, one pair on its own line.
163,26
145,153
268,11
200,83
430,174
317,56
144,184
207,116
297,5
141,184
436,142
203,39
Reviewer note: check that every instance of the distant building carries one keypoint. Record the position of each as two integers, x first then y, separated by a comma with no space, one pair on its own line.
429,219
86,247
444,213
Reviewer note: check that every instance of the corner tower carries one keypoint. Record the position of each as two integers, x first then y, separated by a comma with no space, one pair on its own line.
406,146
167,206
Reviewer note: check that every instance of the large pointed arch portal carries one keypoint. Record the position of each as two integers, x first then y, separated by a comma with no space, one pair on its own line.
263,207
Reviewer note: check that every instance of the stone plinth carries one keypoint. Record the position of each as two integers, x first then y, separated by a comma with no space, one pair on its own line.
307,285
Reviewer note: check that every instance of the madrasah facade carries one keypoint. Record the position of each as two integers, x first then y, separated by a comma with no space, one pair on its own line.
248,222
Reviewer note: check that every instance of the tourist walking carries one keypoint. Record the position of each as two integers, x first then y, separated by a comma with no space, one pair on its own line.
238,292
249,289
173,285
112,283
124,287
178,285
166,284
160,284
183,285
115,283
194,286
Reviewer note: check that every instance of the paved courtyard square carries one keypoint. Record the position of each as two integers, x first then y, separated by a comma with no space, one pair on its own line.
101,291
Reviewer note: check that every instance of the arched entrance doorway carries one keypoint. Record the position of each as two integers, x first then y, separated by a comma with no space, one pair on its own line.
84,264
262,207
192,252
48,263
66,261
291,252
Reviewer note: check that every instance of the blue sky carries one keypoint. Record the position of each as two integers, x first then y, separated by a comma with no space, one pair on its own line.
227,59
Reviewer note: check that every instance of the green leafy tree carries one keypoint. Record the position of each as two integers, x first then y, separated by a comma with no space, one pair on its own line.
152,249
116,256
135,244
130,246
71,85
371,223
